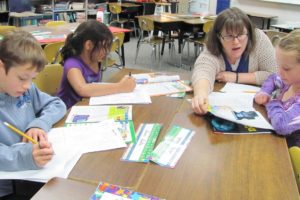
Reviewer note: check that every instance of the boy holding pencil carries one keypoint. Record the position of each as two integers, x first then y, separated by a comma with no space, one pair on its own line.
23,108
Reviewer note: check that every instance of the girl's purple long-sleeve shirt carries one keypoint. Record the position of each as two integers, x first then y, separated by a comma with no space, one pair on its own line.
284,115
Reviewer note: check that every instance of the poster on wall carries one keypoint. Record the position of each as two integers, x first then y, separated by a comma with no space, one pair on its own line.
199,7
222,5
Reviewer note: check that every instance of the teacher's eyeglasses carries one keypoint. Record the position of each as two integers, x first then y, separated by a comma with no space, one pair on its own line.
228,38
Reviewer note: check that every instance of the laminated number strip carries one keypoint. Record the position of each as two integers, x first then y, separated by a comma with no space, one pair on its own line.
145,141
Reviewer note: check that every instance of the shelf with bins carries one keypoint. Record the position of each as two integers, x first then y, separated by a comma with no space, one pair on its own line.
69,11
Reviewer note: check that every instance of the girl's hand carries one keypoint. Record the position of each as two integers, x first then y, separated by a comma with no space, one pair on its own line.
37,134
261,99
127,84
226,77
200,104
42,153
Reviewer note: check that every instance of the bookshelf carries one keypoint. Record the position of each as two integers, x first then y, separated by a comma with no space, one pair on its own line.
69,11
37,10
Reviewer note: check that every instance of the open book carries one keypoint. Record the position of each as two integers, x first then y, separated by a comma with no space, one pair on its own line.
237,107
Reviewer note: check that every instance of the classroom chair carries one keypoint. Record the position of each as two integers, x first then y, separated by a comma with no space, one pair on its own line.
110,61
52,52
275,36
295,157
199,41
147,37
115,9
48,80
6,29
55,23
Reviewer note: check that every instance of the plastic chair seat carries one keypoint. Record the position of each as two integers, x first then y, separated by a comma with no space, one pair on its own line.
55,23
111,61
52,52
6,29
295,157
48,80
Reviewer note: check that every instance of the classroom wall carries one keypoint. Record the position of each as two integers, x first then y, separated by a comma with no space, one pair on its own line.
286,12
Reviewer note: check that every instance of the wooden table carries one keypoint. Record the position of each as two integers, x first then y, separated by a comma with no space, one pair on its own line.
287,27
59,188
212,167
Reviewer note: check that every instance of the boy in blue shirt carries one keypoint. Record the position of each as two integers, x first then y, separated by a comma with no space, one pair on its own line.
24,106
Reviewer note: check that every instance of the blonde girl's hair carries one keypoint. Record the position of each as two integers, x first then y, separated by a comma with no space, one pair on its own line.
291,42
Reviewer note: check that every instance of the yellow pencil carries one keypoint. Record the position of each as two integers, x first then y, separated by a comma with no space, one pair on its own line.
250,91
20,133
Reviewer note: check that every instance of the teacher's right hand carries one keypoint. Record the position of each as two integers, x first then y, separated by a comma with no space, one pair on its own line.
200,104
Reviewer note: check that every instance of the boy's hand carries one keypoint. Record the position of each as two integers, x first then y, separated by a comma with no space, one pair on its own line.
37,134
42,153
200,104
127,84
261,99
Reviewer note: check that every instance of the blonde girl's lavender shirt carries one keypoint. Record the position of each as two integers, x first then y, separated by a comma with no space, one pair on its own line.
66,91
284,115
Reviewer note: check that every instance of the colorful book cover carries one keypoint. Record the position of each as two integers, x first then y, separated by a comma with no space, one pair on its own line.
122,115
222,126
106,191
170,149
141,150
90,114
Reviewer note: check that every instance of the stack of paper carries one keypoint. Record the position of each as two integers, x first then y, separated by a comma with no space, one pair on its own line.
138,96
69,143
154,78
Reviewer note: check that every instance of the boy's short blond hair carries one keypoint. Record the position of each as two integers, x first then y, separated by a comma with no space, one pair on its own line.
19,48
291,42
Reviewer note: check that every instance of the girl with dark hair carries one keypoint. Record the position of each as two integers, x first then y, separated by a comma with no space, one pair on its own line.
82,55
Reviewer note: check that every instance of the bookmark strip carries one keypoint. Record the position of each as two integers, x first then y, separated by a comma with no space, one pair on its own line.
145,141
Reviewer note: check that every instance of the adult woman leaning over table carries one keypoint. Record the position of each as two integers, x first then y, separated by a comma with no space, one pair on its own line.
235,52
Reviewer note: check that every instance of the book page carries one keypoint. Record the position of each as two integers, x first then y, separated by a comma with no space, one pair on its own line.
238,108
